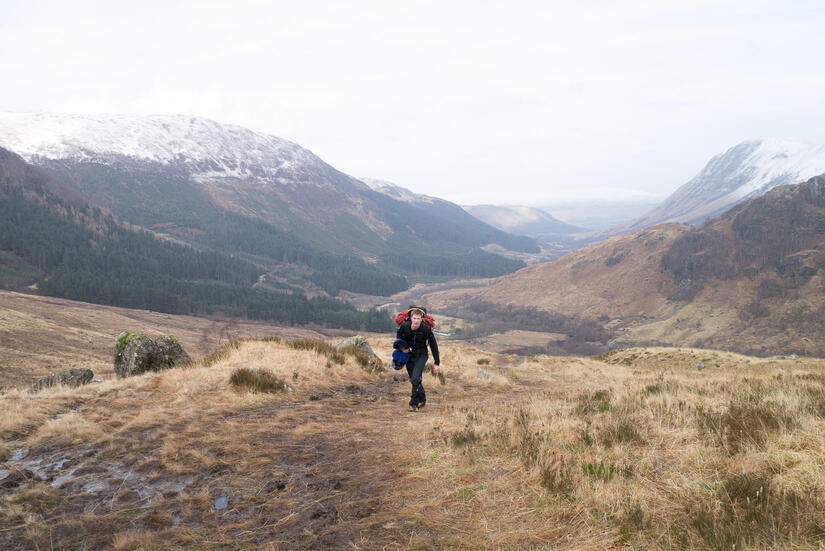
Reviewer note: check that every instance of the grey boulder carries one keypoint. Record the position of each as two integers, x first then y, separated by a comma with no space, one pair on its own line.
71,377
135,354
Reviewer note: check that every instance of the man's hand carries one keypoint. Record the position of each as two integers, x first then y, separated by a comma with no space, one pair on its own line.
405,350
436,369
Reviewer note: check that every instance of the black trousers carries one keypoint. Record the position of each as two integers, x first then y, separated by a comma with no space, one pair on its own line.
415,369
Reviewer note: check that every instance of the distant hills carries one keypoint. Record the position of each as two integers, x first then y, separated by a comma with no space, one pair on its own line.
750,280
256,197
521,220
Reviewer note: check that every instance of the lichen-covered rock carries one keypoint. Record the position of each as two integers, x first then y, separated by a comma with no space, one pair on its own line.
71,377
135,354
171,352
359,342
364,353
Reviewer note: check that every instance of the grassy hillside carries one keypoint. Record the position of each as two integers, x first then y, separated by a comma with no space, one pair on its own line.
635,449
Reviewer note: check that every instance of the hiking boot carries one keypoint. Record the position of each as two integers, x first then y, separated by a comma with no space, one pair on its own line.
421,404
413,408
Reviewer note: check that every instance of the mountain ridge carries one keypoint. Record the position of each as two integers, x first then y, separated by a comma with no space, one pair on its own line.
746,170
195,180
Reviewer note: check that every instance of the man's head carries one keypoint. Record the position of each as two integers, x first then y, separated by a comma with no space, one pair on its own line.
416,315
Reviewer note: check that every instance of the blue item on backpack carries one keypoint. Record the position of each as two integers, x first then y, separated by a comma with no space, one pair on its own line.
399,358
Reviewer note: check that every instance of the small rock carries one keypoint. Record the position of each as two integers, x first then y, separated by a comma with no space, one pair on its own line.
700,366
793,357
220,503
359,342
71,377
482,373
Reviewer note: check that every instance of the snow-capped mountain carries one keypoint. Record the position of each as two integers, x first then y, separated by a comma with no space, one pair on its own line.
193,180
522,220
205,148
746,170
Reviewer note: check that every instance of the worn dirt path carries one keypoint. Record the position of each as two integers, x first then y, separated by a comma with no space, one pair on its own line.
340,469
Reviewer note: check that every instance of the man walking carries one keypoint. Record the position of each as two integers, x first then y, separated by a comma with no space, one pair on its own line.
416,335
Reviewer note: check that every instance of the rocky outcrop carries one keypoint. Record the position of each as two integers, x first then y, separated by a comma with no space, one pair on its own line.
359,342
71,377
363,352
135,354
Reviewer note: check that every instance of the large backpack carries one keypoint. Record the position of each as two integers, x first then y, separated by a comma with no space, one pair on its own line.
401,317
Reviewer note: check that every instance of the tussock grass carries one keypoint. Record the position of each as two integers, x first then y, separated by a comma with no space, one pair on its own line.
645,452
256,380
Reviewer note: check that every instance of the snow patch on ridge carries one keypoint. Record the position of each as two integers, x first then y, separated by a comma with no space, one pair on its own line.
746,170
207,147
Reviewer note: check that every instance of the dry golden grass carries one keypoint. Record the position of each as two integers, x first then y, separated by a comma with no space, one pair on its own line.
40,335
635,449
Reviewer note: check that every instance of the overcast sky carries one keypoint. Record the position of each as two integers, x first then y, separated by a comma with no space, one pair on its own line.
509,102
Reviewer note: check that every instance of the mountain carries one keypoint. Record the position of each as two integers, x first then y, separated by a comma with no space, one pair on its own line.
79,252
277,205
746,170
752,279
521,220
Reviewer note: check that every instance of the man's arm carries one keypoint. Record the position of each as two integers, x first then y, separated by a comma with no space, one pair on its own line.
434,347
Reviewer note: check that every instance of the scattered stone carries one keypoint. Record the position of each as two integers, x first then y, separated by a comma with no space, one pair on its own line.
135,354
359,342
482,373
220,503
71,377
97,380
793,357
700,366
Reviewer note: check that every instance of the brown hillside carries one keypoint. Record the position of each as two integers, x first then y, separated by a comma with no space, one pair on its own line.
750,280
618,278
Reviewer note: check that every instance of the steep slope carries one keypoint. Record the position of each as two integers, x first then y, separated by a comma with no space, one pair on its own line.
618,277
521,220
750,280
80,252
228,188
746,170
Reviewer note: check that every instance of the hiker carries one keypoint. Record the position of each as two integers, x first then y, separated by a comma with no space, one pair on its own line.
412,338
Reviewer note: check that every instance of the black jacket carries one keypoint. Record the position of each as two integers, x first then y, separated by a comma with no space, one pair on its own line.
418,339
